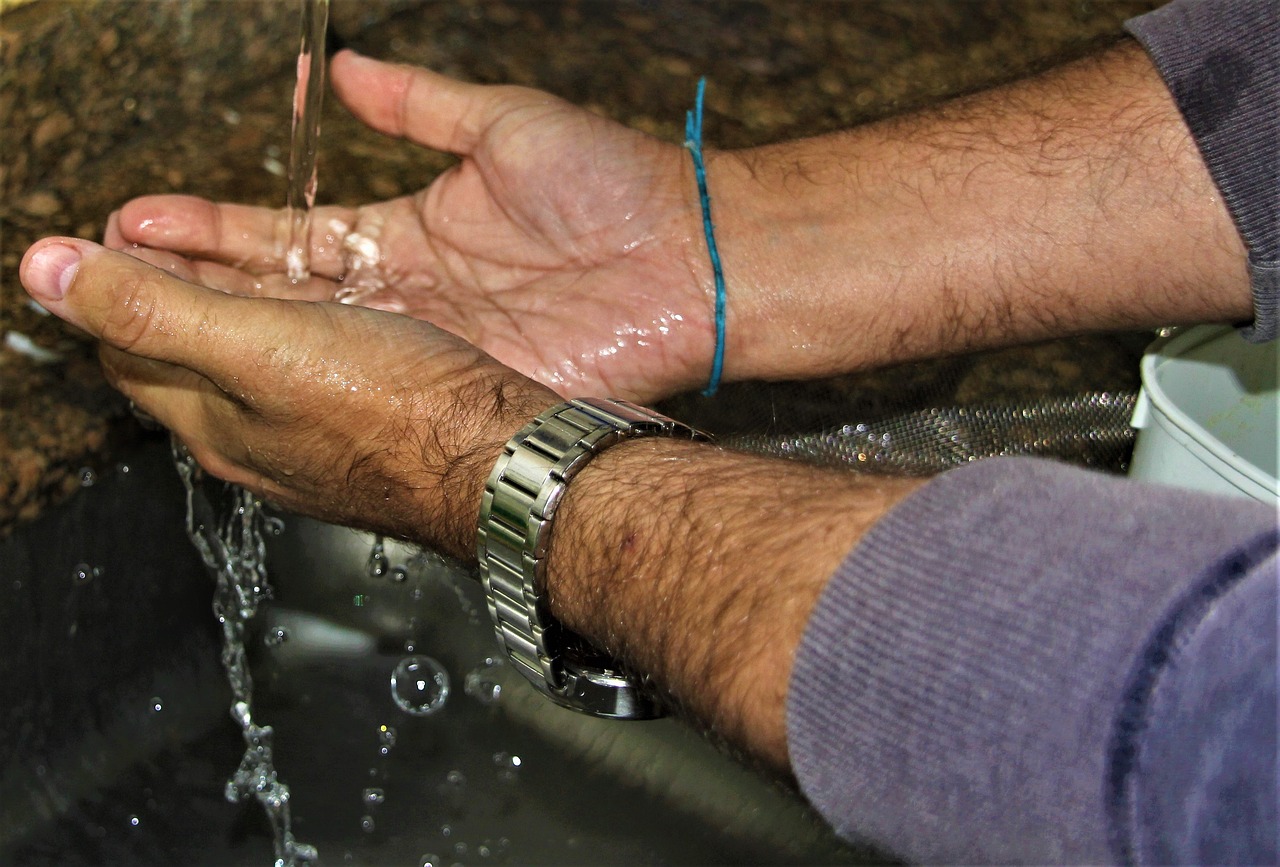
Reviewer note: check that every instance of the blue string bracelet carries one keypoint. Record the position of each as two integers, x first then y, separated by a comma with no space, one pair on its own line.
693,141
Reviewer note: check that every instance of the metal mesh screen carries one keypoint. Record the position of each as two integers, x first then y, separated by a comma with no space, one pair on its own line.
1070,400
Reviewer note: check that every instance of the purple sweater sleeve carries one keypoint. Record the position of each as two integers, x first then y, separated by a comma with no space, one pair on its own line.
1027,662
1221,61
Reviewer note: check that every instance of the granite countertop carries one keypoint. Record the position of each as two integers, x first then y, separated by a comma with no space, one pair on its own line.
104,101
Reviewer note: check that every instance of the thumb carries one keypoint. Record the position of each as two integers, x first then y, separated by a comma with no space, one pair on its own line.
136,307
425,107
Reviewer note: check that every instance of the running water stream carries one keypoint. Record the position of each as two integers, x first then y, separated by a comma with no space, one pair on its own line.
304,143
233,546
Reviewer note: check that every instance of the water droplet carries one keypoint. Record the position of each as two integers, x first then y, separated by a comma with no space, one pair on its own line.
87,477
399,574
506,760
82,574
240,713
508,766
276,636
374,796
157,704
366,824
419,685
481,682
386,737
377,564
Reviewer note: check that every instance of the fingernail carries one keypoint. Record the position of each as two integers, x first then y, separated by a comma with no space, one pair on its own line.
49,272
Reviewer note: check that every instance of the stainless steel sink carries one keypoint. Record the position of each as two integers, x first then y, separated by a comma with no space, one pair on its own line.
117,739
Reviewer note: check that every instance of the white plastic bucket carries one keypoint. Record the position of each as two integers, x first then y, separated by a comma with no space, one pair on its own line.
1207,414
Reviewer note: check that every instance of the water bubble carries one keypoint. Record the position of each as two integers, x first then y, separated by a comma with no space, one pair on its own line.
240,713
409,646
460,849
399,574
483,850
122,468
360,600
446,830
134,821
273,525
415,594
157,704
455,778
366,824
82,573
276,636
419,685
430,860
374,796
87,477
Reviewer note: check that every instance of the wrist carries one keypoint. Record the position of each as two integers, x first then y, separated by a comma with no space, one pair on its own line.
699,566
491,406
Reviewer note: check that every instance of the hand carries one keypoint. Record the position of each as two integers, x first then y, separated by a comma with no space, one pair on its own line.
351,415
564,245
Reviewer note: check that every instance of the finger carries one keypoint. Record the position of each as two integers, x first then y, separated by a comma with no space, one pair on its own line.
423,106
184,402
145,311
111,237
171,394
233,281
245,237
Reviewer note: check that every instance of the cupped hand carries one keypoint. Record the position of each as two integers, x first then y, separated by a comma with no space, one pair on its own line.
563,244
348,414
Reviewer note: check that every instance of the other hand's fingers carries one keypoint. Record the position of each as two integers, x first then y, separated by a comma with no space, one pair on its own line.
423,106
244,237
134,306
233,281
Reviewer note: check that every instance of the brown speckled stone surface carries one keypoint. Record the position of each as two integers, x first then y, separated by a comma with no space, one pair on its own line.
103,101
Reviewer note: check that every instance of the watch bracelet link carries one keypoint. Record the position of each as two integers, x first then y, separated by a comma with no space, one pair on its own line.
520,499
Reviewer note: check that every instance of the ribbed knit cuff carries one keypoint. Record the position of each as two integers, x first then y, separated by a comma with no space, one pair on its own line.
1221,61
956,694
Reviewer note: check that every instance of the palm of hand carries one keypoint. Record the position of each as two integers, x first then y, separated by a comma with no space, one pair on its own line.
566,263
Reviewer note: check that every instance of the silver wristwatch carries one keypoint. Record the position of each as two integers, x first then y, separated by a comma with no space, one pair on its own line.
520,500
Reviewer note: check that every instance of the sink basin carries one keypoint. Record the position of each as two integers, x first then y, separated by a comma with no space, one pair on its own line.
118,741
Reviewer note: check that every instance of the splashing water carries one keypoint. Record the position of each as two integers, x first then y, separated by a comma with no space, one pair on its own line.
235,554
233,549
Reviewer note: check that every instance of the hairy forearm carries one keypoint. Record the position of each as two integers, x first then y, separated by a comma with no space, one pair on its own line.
1071,202
699,567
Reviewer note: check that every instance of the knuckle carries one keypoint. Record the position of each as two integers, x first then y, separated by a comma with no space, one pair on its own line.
136,313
